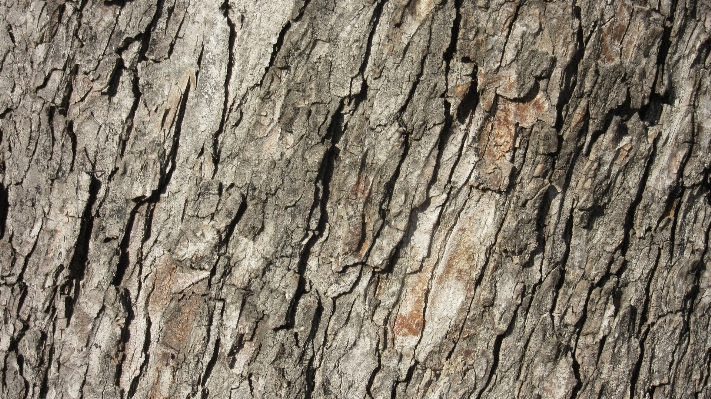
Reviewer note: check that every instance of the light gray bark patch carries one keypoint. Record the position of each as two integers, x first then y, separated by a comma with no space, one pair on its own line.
361,198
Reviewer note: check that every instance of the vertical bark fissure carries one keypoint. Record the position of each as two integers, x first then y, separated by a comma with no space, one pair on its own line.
80,258
321,196
4,209
228,78
373,24
496,352
571,73
577,225
644,327
280,40
567,237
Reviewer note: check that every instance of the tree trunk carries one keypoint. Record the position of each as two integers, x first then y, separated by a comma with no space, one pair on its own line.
356,198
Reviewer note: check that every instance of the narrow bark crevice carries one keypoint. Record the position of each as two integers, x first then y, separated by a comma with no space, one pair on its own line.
126,134
509,28
638,364
3,115
199,68
117,3
4,209
578,328
388,188
44,386
146,39
171,47
124,260
418,77
314,326
115,78
80,258
63,105
374,22
643,327
11,35
146,358
567,237
374,373
663,55
46,79
496,353
228,78
230,229
570,73
576,372
678,196
702,54
454,37
321,196
208,369
126,303
632,210
383,146
469,101
699,268
275,50
171,161
406,381
524,350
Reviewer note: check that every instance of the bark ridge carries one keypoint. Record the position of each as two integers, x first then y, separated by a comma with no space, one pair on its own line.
358,198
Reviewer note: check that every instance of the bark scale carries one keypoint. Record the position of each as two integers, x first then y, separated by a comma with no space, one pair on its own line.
358,198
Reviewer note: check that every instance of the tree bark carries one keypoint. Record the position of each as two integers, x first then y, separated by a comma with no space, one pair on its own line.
357,198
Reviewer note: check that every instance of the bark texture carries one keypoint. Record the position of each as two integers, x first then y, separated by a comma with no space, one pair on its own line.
355,198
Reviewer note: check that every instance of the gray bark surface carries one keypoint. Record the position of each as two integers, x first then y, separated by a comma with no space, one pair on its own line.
355,198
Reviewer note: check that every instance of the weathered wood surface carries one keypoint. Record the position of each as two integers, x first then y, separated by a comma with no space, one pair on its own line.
355,198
